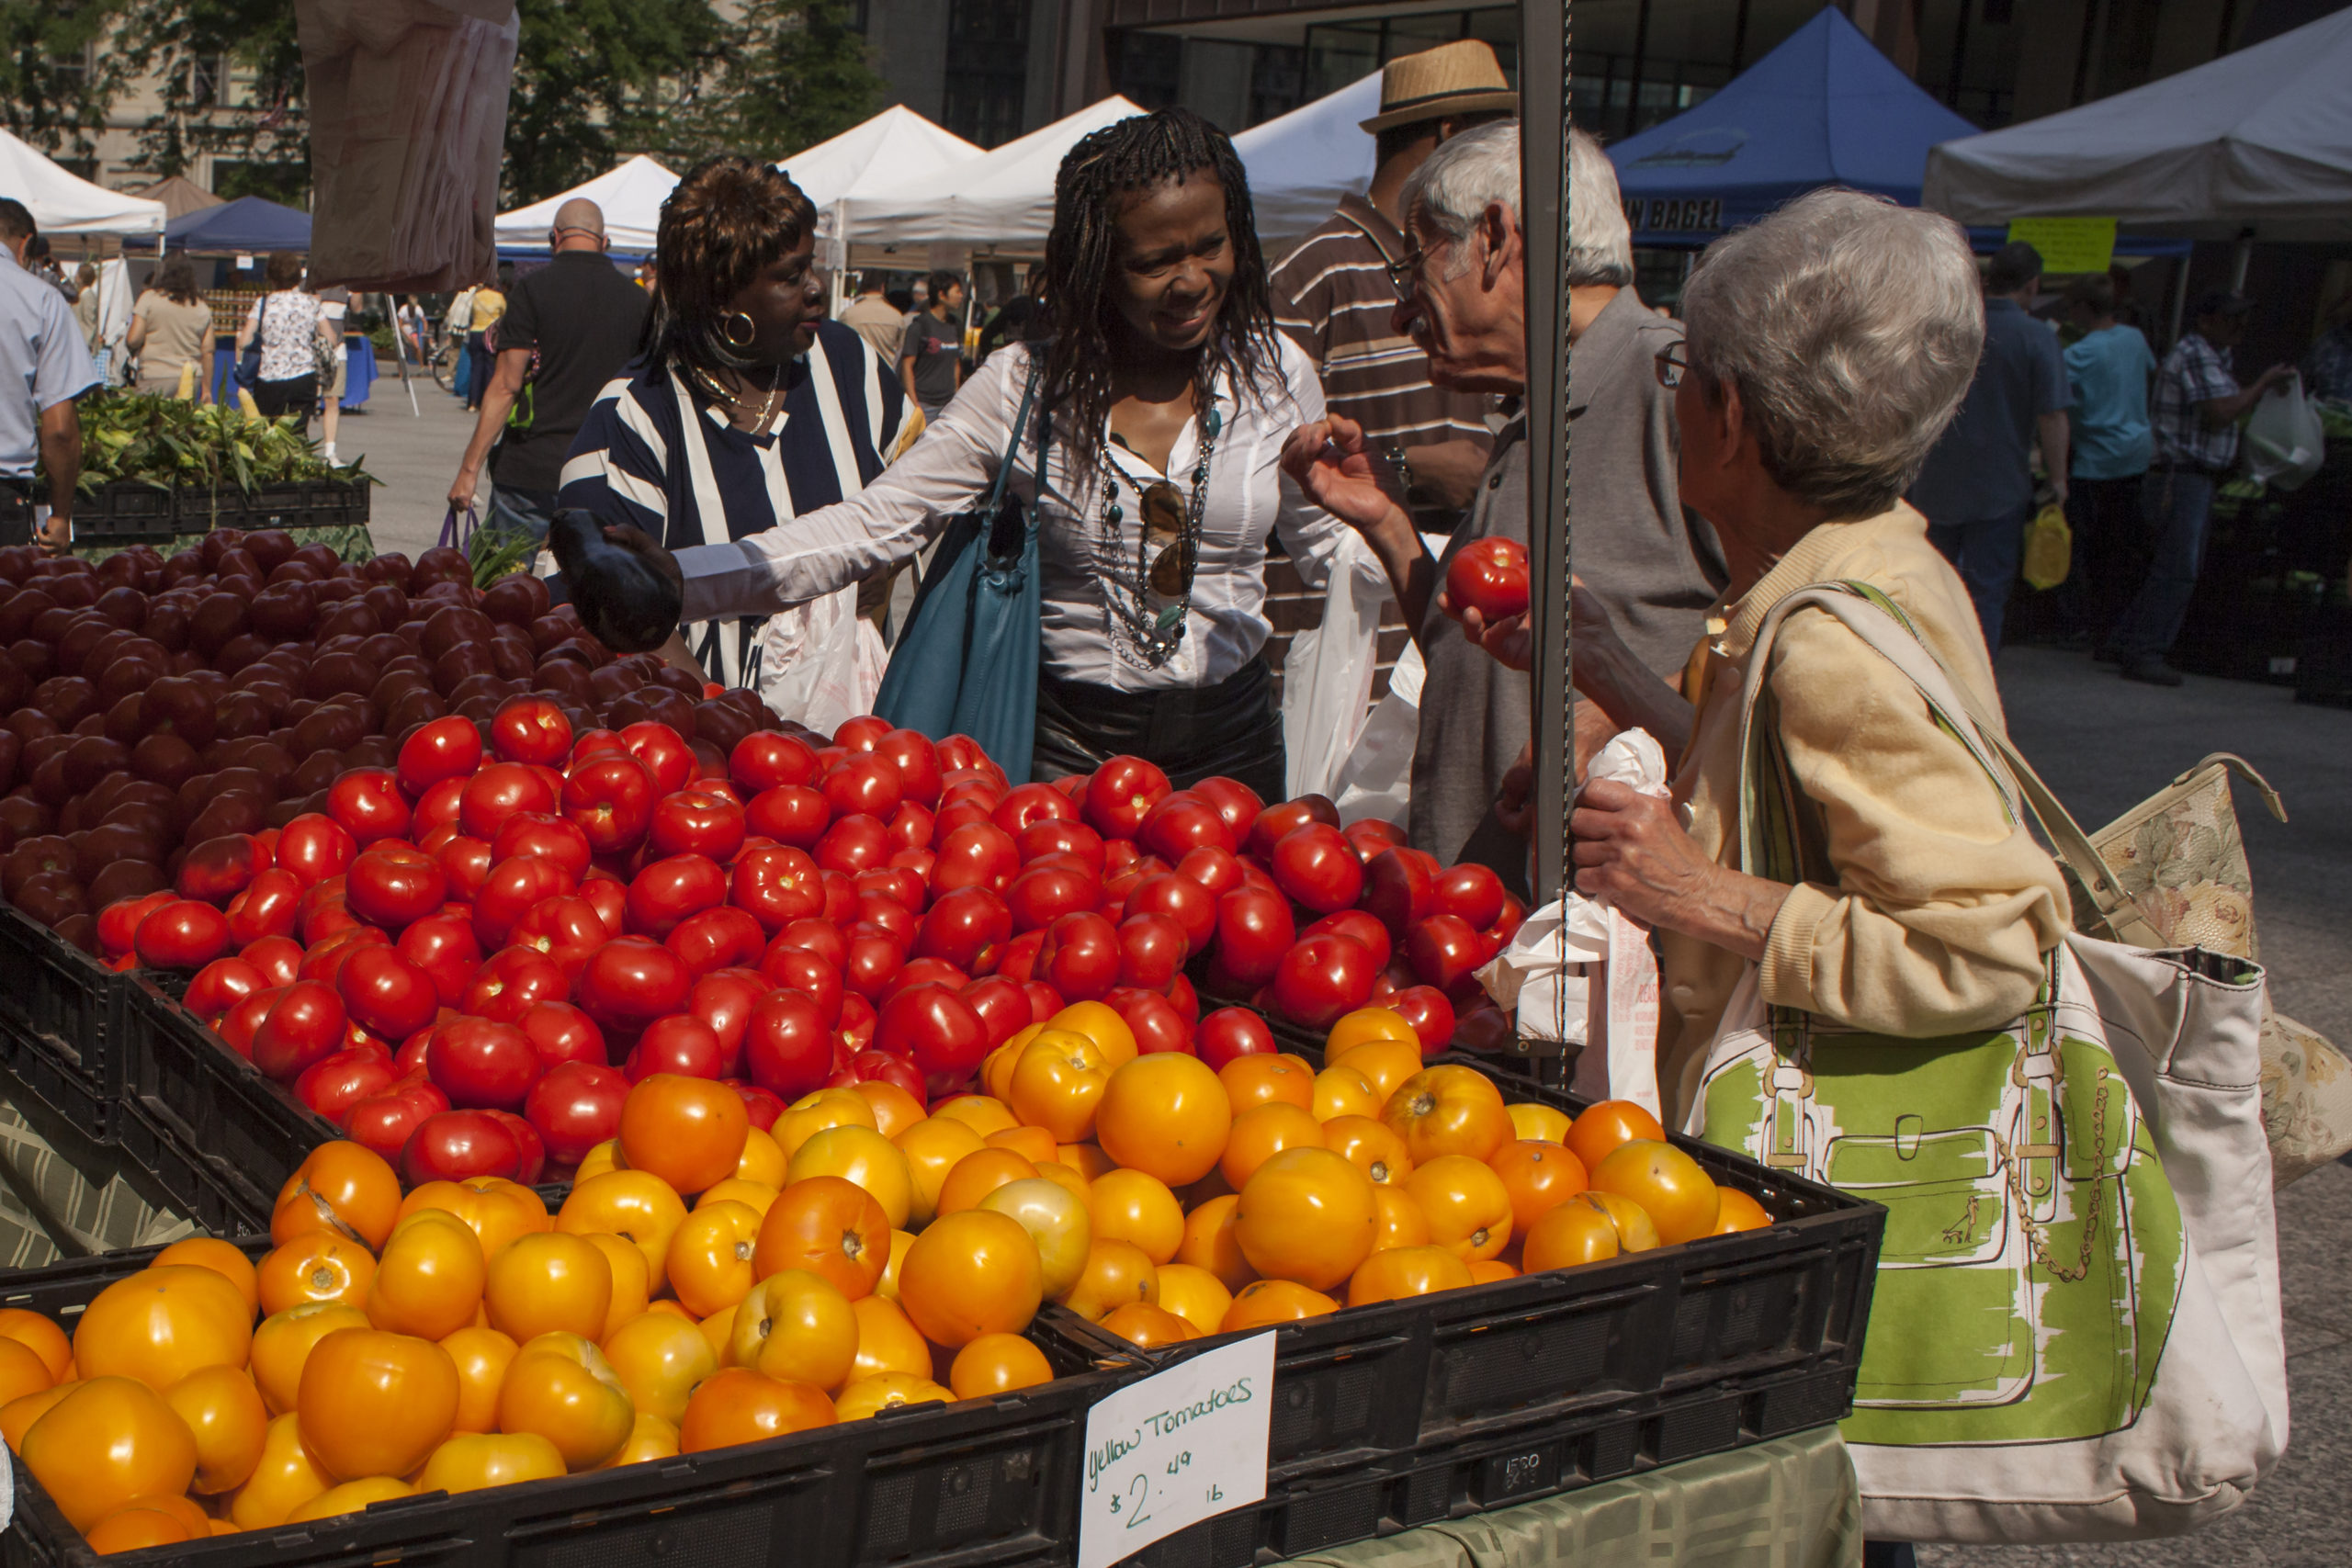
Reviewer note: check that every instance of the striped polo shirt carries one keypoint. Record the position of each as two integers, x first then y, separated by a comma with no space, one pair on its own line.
1333,295
655,452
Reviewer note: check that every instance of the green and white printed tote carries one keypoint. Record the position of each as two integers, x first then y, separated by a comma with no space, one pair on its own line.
2075,1329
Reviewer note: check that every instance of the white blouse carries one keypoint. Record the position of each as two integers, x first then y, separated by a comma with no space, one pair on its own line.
949,470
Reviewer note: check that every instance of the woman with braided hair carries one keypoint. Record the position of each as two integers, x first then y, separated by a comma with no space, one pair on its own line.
1163,395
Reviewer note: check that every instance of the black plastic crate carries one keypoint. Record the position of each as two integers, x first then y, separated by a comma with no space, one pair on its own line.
1386,1381
57,1022
186,1077
123,512
212,1192
981,1483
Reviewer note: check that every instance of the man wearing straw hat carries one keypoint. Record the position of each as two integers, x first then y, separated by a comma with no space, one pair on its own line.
1333,294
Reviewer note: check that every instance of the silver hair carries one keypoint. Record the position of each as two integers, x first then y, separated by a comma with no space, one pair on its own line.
1466,174
1600,242
1851,327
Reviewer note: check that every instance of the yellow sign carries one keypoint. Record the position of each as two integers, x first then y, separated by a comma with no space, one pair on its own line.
2068,245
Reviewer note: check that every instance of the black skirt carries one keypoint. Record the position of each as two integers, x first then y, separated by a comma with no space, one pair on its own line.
1230,730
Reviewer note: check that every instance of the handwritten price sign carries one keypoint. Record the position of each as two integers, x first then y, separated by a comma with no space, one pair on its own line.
1176,1448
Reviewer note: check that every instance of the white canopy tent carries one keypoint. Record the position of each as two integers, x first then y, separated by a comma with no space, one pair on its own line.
2255,145
630,196
895,148
64,203
1000,200
1301,163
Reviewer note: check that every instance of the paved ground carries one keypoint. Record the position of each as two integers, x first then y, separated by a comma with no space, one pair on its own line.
2103,744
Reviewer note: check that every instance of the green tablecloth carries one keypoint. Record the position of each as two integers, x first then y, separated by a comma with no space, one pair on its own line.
351,541
1790,1503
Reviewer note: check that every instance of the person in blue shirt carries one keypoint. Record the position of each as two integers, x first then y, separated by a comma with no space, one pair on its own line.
2108,370
1978,486
45,365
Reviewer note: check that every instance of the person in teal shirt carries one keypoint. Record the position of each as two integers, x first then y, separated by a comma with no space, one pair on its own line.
2107,372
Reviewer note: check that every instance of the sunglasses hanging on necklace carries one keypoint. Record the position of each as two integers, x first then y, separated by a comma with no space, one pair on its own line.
1167,555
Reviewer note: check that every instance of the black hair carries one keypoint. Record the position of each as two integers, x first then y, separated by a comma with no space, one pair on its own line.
2094,292
729,218
939,283
1136,154
899,300
16,220
2013,266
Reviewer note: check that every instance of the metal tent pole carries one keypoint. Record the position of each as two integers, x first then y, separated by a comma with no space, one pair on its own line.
1544,206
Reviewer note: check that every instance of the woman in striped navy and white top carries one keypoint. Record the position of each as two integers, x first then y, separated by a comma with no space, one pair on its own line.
748,410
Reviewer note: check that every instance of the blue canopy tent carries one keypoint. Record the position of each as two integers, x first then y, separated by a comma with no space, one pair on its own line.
247,226
1824,109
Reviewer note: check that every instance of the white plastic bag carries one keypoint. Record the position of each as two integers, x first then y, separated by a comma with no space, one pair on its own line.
1327,679
1375,779
820,663
2285,443
1548,972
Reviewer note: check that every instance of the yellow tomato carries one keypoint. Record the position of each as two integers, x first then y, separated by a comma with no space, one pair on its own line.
286,1477
710,1258
1195,1295
1467,1205
982,1113
650,1437
1129,1205
1116,1272
1263,1132
222,1258
886,1391
481,1357
863,1157
638,1208
599,1159
1209,1244
735,1190
351,1497
659,1357
429,1280
1307,1216
1401,1271
283,1341
1400,1220
375,1404
550,1283
998,1363
472,1460
225,1416
561,1388
632,1279
1056,1219
161,1324
887,1287
1354,1029
109,1441
797,1327
887,1341
895,1110
762,1159
1343,1091
812,1113
1386,1063
1538,1124
496,1210
1058,1083
1447,1110
931,1147
1680,1197
1100,1022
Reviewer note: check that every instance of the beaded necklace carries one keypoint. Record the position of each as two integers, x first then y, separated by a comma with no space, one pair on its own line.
1165,575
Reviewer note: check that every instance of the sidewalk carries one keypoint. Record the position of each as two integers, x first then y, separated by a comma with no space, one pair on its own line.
416,456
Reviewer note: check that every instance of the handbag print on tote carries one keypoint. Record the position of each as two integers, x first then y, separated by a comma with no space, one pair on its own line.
2075,1328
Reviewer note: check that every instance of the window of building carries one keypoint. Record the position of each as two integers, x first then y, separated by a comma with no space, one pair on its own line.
988,48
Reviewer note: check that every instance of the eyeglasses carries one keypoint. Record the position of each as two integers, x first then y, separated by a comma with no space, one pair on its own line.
1166,542
1405,273
1672,361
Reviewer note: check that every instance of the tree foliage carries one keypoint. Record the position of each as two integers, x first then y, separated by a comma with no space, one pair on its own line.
597,80
55,83
191,48
799,74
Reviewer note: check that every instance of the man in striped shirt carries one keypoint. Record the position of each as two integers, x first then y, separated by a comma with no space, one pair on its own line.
1335,293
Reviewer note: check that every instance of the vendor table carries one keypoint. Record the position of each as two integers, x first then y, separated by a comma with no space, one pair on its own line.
1789,1503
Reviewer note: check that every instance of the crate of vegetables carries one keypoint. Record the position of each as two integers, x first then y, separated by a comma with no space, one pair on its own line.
1454,1260
58,1031
124,512
456,1372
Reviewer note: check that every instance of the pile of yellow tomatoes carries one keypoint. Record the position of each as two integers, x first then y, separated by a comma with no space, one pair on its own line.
706,1283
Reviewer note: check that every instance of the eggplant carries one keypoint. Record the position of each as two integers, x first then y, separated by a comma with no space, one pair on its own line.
625,585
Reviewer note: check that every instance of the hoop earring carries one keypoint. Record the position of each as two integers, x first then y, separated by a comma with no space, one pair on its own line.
727,329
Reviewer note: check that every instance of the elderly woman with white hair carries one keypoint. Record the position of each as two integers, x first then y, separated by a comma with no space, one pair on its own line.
1827,348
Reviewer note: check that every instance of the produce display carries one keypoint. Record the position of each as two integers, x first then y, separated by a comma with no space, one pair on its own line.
171,443
707,1281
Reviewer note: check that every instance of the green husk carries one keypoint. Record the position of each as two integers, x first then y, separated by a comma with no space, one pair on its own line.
152,439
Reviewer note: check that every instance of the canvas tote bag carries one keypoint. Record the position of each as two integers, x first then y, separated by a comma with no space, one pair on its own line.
2076,1325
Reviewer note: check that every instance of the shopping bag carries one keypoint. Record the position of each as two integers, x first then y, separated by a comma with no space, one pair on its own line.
806,665
2049,548
2179,856
968,662
2075,1320
2285,443
1327,675
453,534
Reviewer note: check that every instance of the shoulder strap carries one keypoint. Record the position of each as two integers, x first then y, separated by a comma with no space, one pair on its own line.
1019,425
1875,619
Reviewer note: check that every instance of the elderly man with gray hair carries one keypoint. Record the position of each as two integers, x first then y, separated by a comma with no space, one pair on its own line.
1463,290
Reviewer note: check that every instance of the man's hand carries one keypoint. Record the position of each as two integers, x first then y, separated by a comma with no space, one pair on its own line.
1509,641
1335,470
461,489
56,531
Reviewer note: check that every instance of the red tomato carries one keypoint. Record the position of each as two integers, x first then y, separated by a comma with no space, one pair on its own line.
1253,931
512,889
385,994
438,808
443,749
609,893
559,1033
221,985
852,844
576,1106
1487,1029
1151,950
1157,1026
243,1020
962,751
766,758
863,733
790,814
967,928
1235,801
934,1027
1045,893
787,1044
118,923
1065,836
871,1066
548,837
567,927
531,729
333,1085
1398,890
681,1043
874,961
1231,1032
1370,835
1121,794
1316,865
1322,977
888,918
314,848
664,754
1001,1006
668,890
394,884
217,870
384,1122
182,934
367,803
1218,870
458,1145
979,854
910,828
609,798
1506,924
809,971
498,792
1427,1010
867,784
1019,960
896,882
1192,907
912,752
465,863
1489,575
446,949
723,938
1184,821
1185,1000
1024,805
776,884
1268,827
930,972
513,977
1081,958
304,1026
762,1105
481,1065
278,958
1356,923
628,983
267,907
1471,891
1444,949
690,822
724,999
